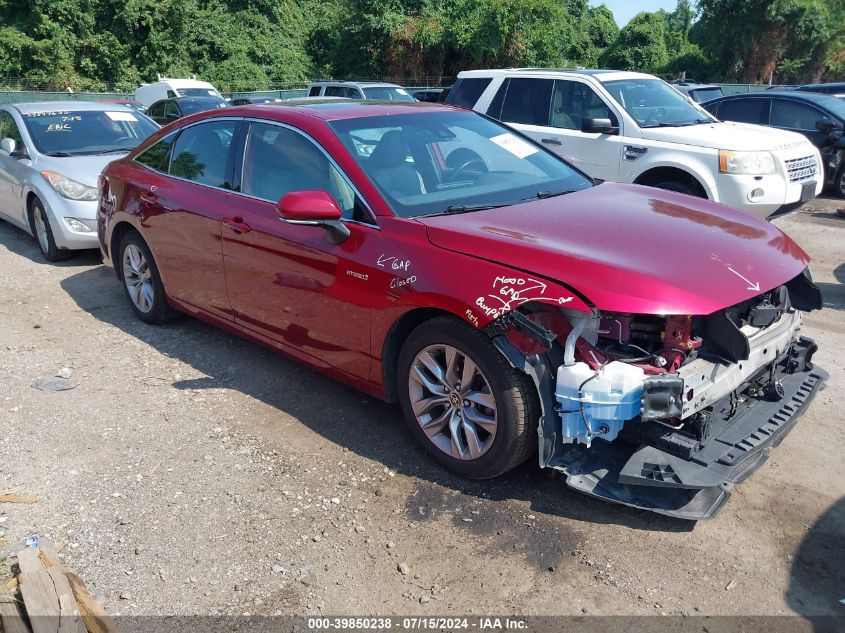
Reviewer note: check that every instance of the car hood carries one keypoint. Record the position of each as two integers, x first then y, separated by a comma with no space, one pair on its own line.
725,135
84,169
628,248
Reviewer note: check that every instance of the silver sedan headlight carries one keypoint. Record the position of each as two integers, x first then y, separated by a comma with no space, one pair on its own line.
68,188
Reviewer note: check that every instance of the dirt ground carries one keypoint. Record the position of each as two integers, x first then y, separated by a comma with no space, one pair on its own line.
191,472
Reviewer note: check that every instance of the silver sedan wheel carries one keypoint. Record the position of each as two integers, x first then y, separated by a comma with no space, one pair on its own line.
137,277
452,402
41,229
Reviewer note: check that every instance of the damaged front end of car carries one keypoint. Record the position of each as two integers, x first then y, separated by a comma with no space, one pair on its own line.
665,413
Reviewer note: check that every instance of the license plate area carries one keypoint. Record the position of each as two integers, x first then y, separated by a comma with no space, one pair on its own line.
808,191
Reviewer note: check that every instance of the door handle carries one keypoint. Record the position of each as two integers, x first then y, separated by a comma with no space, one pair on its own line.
237,224
551,141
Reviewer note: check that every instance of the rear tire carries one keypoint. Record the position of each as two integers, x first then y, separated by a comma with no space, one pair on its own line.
480,429
142,281
39,222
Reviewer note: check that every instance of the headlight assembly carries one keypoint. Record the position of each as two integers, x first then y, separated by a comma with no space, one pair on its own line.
68,188
746,163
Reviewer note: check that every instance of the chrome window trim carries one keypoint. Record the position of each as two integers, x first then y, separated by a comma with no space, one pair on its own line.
331,160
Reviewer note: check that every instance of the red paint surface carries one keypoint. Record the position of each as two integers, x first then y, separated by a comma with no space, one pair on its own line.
230,260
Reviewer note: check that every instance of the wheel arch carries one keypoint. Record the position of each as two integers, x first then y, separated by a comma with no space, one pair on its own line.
662,173
396,335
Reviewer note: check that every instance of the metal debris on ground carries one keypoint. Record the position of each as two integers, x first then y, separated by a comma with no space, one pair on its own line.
54,384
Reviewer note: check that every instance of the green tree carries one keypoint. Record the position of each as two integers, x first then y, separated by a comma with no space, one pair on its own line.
641,44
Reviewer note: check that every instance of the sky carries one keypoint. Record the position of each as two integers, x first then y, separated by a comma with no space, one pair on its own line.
624,10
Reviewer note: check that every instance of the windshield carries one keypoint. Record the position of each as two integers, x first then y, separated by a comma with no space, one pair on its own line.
386,93
198,92
449,162
73,133
654,103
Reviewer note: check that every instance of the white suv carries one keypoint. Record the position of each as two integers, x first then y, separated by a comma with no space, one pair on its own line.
359,90
633,127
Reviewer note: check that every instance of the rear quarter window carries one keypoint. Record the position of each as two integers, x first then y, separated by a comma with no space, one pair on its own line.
157,156
466,92
745,111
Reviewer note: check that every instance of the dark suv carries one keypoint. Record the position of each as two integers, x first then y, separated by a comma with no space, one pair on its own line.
819,117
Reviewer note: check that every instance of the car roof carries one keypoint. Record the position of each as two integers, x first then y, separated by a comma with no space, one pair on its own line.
33,107
341,109
601,74
812,97
834,85
365,84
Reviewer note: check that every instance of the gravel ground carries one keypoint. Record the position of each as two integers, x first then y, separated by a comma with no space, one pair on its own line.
191,472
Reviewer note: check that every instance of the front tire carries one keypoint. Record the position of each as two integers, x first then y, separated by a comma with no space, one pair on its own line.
678,187
463,402
39,222
840,181
142,281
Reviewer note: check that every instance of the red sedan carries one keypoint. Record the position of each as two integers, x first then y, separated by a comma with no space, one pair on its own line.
643,342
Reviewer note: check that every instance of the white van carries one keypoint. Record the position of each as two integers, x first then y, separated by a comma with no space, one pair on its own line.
168,88
633,127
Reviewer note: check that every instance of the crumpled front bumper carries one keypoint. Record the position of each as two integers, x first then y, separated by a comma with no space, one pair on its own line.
658,478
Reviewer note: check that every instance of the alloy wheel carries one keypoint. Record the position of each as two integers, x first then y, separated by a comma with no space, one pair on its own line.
452,402
137,277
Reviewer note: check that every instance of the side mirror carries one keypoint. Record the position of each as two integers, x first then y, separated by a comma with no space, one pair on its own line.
598,126
826,125
7,146
313,208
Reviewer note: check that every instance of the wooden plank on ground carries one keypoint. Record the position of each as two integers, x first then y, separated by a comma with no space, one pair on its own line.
10,616
40,599
93,615
70,620
29,560
10,497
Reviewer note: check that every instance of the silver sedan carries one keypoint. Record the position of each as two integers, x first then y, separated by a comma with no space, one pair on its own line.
51,154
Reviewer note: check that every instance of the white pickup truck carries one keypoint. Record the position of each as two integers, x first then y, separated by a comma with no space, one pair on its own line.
633,127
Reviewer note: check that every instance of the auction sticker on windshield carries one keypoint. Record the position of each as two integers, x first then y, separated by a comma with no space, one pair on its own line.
121,116
514,145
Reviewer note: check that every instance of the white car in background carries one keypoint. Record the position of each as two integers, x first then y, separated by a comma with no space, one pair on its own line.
359,90
170,88
633,127
51,154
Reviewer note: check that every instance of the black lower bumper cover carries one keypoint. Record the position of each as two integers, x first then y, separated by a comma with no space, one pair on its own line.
696,488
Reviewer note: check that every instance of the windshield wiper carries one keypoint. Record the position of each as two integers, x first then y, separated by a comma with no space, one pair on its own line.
57,154
680,123
107,151
468,208
542,195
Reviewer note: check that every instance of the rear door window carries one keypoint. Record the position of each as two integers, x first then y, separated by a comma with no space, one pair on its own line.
201,153
156,156
745,111
466,92
528,101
